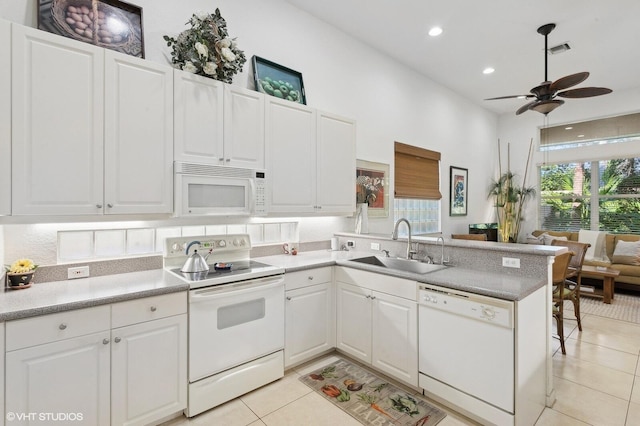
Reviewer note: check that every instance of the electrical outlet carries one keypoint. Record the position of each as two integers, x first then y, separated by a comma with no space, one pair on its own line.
351,244
375,246
511,262
78,272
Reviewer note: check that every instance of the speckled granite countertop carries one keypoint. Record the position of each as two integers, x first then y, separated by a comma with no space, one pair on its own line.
493,284
58,296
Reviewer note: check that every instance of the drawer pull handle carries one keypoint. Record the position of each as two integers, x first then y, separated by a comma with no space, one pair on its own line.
288,297
153,309
62,326
105,341
117,340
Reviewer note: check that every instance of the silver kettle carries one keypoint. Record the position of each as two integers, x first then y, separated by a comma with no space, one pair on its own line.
195,262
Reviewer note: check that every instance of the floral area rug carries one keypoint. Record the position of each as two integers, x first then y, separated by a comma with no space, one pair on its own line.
370,399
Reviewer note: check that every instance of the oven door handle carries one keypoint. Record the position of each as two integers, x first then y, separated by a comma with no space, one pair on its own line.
250,286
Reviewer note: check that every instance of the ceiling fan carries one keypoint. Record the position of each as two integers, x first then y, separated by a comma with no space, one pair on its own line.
545,94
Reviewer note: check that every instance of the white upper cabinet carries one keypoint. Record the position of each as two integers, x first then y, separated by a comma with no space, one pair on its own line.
5,118
216,123
198,118
138,135
57,124
291,156
336,162
311,159
244,141
92,129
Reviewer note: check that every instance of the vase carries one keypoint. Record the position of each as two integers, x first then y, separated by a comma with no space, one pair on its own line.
19,279
362,218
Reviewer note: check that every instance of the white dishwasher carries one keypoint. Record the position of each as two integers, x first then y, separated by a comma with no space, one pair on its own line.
466,351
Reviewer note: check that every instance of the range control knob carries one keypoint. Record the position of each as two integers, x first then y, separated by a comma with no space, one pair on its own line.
236,242
222,243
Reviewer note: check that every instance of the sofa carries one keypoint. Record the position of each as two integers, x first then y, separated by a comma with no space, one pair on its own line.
629,266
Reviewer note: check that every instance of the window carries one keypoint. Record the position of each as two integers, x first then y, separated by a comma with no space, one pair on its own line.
417,188
593,178
600,195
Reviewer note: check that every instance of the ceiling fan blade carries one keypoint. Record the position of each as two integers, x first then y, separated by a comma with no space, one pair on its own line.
526,107
568,81
510,97
584,92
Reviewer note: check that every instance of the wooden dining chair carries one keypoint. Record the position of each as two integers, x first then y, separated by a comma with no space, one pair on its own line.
571,289
559,278
476,237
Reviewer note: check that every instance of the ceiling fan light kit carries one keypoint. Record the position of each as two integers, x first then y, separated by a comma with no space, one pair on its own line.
546,92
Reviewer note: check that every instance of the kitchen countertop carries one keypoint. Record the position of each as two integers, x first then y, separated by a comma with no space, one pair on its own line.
510,287
58,296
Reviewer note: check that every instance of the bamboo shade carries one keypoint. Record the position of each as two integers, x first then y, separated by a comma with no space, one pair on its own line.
417,173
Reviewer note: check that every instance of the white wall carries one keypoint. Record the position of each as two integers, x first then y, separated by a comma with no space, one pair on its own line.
389,101
520,129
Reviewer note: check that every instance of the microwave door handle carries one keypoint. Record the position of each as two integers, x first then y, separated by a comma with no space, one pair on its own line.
252,196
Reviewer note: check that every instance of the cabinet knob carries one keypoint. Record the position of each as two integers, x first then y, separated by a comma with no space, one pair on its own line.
373,297
105,341
228,160
153,309
62,326
310,277
110,205
288,297
368,296
117,340
99,205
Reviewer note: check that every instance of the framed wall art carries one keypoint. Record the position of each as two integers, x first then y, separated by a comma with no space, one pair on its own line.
458,191
278,81
372,187
112,24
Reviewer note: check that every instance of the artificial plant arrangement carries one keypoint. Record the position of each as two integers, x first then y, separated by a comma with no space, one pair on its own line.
20,273
510,198
206,48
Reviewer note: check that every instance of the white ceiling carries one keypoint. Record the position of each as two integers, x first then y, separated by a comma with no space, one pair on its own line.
604,36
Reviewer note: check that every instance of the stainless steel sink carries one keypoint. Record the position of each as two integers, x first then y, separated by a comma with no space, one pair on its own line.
405,265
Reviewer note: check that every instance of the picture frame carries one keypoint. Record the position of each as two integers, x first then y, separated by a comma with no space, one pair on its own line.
458,191
372,185
266,72
119,24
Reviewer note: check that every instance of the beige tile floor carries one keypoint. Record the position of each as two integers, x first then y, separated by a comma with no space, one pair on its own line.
597,383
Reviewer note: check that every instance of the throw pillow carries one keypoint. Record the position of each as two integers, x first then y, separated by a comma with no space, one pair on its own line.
597,251
548,239
532,239
627,252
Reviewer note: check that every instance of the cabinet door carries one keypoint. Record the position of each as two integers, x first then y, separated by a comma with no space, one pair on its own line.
198,118
336,153
243,127
5,119
395,337
69,376
310,323
57,124
291,156
353,321
149,371
138,135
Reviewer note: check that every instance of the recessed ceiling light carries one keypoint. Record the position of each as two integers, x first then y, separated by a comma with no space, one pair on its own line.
435,31
488,70
581,136
522,97
568,128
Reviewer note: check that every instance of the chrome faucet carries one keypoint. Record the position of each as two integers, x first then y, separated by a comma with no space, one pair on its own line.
394,236
442,254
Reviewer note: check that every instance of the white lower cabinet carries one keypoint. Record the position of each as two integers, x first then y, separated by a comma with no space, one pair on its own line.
377,327
148,371
2,416
310,315
84,367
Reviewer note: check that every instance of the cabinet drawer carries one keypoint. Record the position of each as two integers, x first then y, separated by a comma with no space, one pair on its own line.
53,327
148,308
300,279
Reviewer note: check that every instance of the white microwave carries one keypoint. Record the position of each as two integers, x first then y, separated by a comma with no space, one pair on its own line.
208,190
